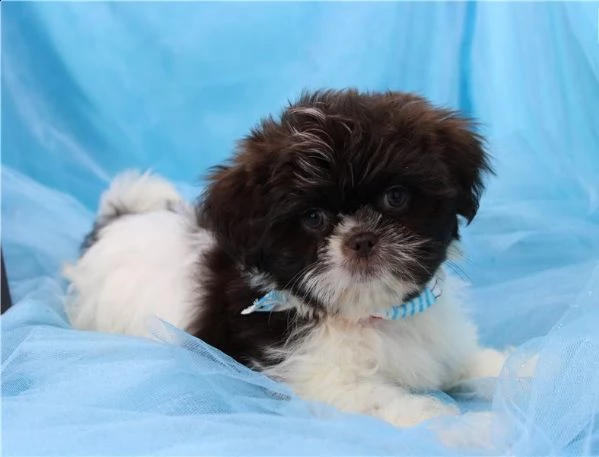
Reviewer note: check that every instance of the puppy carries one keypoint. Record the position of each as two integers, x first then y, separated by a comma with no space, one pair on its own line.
316,255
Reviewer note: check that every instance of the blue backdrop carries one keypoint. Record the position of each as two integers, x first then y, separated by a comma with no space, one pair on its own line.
91,88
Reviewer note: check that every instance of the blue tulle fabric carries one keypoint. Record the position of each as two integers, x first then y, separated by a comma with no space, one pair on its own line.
92,88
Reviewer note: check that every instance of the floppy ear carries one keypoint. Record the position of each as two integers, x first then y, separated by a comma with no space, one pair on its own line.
233,207
465,156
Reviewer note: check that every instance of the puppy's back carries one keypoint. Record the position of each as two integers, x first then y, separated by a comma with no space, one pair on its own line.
140,260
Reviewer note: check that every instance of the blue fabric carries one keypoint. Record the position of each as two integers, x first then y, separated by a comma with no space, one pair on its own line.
91,88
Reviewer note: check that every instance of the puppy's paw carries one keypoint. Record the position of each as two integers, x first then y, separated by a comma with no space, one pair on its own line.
487,363
412,410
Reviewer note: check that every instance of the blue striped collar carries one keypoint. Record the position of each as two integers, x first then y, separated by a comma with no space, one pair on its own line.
279,301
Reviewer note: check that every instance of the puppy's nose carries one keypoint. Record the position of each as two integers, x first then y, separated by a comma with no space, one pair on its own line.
362,244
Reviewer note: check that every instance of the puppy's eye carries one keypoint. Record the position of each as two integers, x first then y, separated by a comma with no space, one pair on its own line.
396,198
315,219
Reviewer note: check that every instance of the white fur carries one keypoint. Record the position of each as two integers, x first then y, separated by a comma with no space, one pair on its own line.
143,264
378,367
137,193
148,264
261,281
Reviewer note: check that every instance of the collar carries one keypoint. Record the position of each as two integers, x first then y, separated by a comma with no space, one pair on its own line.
276,300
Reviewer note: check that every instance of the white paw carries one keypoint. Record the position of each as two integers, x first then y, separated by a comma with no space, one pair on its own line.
412,410
488,363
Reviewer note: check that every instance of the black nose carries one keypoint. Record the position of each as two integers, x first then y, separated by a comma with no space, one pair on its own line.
362,243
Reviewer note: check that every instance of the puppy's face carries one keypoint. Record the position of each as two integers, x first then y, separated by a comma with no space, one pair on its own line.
349,201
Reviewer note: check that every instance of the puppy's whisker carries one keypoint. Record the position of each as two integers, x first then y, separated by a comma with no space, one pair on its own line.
298,276
458,270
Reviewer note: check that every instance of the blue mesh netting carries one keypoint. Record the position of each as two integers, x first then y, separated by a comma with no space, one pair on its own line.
91,88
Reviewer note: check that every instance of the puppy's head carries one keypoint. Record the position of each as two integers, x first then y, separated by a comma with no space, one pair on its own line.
349,201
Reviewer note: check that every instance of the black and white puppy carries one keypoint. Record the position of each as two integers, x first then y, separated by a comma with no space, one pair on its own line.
334,221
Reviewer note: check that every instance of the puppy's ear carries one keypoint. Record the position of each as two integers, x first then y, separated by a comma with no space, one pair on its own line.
233,207
465,155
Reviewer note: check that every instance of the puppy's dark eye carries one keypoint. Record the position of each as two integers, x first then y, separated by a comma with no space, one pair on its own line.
396,198
315,219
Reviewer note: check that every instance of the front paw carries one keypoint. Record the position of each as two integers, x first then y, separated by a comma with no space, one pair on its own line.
412,410
487,363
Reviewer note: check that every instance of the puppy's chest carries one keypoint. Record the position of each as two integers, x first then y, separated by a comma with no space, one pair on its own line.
414,353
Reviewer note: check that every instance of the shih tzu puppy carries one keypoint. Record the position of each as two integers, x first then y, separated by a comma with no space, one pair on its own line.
316,255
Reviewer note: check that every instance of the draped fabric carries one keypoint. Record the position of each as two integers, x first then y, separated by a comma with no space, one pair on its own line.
89,89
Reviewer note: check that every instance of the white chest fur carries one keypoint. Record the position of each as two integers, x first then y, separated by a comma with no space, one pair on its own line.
379,366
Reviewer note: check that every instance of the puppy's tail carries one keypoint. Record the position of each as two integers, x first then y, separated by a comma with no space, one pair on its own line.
134,193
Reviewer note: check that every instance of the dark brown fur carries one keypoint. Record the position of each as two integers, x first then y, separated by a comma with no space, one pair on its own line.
342,158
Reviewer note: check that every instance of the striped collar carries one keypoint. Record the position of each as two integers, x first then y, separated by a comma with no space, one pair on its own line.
276,300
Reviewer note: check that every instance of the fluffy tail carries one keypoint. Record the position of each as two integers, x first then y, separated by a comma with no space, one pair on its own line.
134,193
